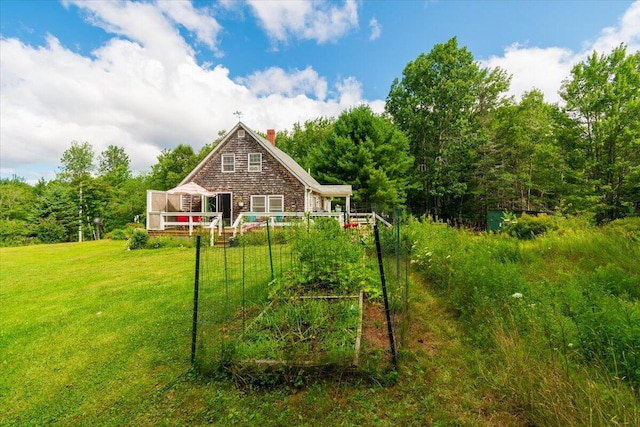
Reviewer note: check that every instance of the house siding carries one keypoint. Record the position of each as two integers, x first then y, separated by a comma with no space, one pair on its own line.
274,179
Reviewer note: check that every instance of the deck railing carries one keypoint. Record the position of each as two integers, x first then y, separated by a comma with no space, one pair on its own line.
248,220
190,220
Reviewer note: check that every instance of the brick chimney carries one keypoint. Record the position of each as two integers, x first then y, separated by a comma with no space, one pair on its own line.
271,136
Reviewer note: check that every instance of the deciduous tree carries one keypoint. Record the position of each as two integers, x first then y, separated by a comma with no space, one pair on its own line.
603,98
441,103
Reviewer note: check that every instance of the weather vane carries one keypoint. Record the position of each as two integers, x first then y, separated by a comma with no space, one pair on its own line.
238,114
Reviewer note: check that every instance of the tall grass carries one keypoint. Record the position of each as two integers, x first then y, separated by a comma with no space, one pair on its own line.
561,314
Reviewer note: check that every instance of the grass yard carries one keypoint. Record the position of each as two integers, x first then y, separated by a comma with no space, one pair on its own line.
90,329
92,334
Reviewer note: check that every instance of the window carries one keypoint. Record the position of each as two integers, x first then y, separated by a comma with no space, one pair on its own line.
255,162
241,133
258,204
267,203
228,163
276,204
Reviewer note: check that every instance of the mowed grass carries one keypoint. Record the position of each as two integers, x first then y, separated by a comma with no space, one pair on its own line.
92,334
89,329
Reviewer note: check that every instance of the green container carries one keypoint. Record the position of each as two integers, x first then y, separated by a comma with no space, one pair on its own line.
494,220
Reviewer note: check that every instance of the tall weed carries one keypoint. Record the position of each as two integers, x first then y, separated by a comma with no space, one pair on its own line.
562,311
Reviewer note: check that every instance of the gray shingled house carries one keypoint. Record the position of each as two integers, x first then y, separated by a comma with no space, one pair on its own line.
244,178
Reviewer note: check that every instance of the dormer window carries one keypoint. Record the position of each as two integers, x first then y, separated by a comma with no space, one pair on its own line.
255,162
228,163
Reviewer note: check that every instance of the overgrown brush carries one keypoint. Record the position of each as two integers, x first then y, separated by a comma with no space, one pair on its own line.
570,297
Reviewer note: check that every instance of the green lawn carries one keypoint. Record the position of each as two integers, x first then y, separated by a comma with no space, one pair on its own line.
90,328
93,334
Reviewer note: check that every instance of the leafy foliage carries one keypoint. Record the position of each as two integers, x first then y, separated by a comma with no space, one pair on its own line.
77,162
56,211
172,167
16,196
327,261
602,99
300,143
139,239
368,152
441,103
114,165
529,227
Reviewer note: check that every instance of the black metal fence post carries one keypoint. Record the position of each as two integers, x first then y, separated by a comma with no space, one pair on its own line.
384,295
196,283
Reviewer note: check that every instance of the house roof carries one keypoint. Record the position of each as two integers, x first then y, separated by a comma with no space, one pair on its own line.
291,165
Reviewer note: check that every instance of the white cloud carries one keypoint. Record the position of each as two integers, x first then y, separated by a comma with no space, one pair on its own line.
141,90
199,21
376,29
540,68
627,31
546,68
318,20
350,91
275,80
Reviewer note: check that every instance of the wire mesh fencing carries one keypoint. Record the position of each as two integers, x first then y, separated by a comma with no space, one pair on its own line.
308,294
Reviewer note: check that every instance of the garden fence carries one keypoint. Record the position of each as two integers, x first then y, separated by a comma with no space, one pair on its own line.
308,294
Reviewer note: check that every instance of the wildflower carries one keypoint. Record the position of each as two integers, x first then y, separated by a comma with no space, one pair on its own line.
517,295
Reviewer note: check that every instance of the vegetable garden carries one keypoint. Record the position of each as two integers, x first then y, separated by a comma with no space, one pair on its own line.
303,298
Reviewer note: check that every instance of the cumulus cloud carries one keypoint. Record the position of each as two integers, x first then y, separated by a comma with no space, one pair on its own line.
540,68
376,29
627,31
275,80
142,90
546,68
319,21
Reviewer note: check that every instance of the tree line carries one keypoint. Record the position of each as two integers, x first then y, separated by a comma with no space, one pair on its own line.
450,144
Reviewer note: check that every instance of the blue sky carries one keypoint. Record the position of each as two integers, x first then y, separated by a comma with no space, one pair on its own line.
147,76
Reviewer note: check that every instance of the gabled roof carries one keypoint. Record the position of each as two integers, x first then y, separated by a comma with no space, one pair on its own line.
291,165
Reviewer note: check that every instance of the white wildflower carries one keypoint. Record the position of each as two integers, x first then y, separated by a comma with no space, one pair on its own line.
517,295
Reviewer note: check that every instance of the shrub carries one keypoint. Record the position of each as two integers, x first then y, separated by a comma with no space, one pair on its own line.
117,234
15,232
529,227
138,239
51,231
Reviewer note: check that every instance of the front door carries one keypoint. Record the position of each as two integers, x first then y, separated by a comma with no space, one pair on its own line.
224,206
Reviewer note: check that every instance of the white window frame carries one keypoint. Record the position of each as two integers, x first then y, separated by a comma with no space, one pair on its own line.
268,202
233,165
275,197
253,203
254,166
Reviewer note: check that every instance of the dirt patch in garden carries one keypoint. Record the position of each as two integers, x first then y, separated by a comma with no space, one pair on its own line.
375,334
